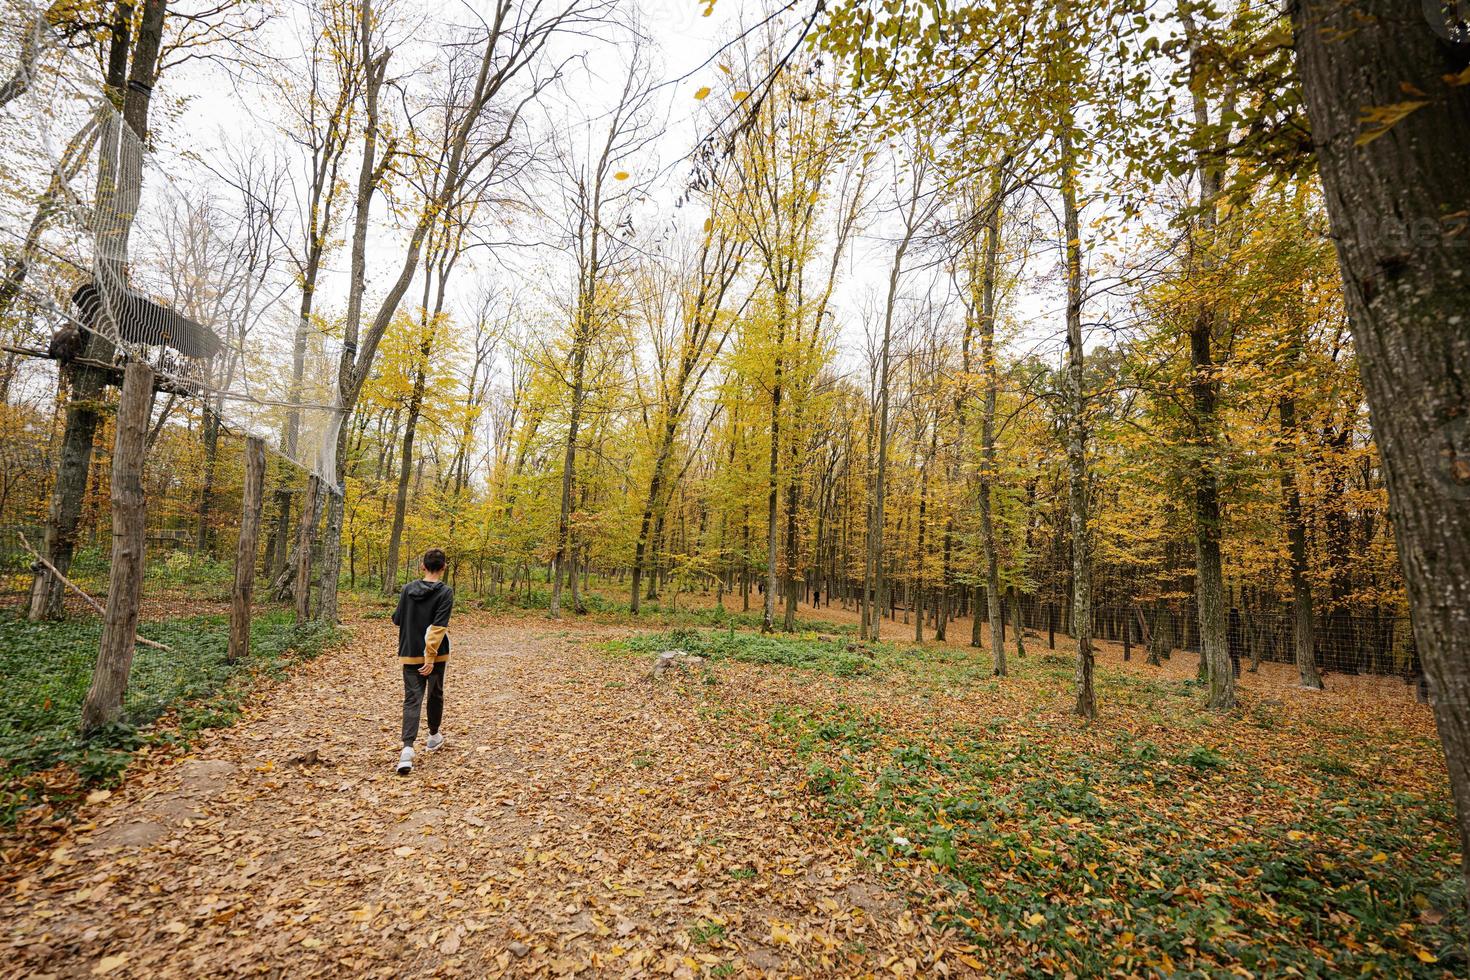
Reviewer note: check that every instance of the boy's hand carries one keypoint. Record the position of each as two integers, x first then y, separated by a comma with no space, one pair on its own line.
427,668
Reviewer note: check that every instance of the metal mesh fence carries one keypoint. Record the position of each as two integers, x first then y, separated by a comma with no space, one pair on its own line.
180,665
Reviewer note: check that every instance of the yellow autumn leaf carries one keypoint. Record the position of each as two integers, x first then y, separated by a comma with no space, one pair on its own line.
1425,956
621,175
781,935
1378,120
703,92
109,963
740,94
1035,919
971,962
1379,858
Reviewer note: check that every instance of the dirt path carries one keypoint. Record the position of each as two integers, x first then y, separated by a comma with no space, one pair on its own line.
579,820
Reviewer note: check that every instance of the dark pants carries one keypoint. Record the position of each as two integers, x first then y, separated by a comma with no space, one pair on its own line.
415,686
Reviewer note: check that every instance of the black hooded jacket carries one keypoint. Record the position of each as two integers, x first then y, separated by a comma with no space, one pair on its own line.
422,618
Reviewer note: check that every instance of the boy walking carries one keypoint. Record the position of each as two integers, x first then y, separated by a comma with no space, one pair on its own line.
422,618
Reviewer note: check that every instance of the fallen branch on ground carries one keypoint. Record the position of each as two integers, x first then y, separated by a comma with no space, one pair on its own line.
78,590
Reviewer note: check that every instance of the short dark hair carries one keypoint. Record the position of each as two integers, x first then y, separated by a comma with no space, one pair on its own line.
434,560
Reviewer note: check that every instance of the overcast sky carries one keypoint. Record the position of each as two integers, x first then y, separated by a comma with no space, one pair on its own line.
226,113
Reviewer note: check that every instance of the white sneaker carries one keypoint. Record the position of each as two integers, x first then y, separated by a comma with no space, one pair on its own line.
405,761
435,741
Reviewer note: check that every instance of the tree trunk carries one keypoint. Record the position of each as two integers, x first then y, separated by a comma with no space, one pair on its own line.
131,86
206,488
919,555
400,503
768,615
569,458
1077,435
1397,205
70,489
104,701
650,508
1016,614
793,545
1304,628
1205,391
305,538
990,367
250,508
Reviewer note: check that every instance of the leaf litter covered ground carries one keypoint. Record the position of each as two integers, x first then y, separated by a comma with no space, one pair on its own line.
805,807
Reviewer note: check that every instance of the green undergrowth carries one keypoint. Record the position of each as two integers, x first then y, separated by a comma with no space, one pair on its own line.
831,653
46,668
1180,860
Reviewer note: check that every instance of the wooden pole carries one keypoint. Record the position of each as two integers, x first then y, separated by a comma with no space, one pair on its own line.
104,701
245,553
303,549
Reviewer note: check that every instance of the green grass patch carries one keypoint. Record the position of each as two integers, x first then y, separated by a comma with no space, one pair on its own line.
46,668
808,650
704,932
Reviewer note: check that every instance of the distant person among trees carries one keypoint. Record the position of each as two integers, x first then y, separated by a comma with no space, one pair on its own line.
422,618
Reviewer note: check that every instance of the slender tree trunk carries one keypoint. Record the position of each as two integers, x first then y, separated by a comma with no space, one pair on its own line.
405,469
1205,391
919,555
1304,629
650,508
991,372
768,616
569,458
1077,435
1016,616
206,489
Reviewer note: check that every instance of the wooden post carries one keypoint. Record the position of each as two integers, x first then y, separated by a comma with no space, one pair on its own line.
245,553
303,549
104,701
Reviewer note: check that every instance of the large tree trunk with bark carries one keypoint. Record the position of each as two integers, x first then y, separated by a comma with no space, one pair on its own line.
1398,202
132,86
